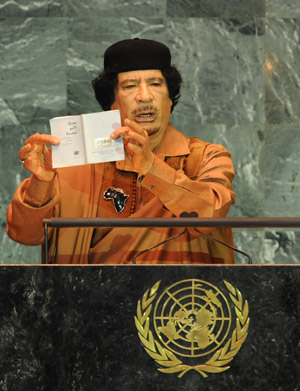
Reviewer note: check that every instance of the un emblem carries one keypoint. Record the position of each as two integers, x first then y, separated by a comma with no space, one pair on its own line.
190,326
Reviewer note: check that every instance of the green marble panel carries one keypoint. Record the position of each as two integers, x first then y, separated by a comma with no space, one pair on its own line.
15,253
33,69
12,137
267,246
250,241
246,146
282,175
282,246
282,9
282,50
116,8
220,86
216,8
21,8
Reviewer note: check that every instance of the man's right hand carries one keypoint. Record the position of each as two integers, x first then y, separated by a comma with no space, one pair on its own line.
36,156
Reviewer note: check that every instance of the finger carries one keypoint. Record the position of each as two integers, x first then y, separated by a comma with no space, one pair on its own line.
121,132
134,126
135,148
128,153
38,138
24,151
139,139
27,163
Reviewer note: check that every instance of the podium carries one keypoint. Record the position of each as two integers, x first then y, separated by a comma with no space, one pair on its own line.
123,328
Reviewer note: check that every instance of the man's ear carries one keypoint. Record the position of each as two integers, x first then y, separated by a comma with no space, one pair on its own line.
171,107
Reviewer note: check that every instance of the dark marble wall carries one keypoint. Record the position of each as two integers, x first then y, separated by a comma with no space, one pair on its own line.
240,65
72,328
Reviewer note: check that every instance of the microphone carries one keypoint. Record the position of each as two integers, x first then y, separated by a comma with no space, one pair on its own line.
195,215
156,245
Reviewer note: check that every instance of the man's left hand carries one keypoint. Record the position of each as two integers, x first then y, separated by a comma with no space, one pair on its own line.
137,146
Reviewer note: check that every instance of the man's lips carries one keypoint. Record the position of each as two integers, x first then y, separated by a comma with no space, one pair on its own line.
145,117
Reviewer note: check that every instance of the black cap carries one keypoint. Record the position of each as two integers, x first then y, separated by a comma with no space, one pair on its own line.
136,54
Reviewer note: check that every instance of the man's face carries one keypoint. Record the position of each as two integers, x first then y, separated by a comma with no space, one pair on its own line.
143,97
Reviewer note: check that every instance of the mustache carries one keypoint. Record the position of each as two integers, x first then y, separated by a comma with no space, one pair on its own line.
140,110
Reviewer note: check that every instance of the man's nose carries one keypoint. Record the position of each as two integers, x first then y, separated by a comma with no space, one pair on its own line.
144,93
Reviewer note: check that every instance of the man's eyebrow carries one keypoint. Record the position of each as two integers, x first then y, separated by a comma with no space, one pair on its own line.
137,80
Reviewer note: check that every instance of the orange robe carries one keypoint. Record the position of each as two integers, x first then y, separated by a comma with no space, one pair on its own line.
188,175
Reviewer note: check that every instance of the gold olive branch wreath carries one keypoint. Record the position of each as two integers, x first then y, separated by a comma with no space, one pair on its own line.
166,359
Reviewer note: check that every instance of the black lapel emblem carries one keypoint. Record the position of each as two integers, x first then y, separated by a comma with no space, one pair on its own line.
118,197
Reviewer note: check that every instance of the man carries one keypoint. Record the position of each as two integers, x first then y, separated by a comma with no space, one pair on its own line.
164,174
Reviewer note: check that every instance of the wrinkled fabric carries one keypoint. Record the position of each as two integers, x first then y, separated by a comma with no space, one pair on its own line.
188,175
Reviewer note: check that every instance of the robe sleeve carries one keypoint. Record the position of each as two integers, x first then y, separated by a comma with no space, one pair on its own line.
34,200
202,185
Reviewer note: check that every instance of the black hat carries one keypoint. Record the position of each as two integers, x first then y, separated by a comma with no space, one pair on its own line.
136,54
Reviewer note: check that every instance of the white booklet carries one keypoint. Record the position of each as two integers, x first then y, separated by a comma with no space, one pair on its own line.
84,139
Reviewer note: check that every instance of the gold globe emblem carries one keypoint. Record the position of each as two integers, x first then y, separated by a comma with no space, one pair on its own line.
192,318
